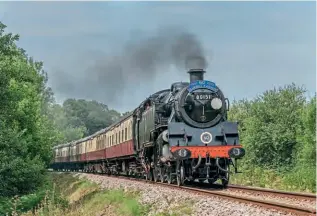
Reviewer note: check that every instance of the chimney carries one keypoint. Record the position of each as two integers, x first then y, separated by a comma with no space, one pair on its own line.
196,74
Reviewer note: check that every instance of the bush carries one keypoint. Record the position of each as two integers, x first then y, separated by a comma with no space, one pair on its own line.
278,131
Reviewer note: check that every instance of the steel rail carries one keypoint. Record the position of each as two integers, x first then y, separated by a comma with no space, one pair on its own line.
300,195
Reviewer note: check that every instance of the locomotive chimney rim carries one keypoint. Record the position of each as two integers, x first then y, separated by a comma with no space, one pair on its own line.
196,74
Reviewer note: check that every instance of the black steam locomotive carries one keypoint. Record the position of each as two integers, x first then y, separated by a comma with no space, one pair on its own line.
177,135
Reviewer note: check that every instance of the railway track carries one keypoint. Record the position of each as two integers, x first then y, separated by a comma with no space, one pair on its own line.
297,195
298,210
270,204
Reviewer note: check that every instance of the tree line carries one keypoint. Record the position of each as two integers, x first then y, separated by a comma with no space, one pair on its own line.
31,123
277,128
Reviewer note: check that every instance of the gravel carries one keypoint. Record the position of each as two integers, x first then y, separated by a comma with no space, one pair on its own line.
162,199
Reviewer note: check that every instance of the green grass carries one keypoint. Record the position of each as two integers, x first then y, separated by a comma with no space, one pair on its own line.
87,198
301,179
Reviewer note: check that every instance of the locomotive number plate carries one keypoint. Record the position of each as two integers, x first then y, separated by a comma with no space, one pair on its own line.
201,96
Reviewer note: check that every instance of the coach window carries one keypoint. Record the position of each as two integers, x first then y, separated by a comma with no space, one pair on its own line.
119,137
120,140
104,141
130,130
126,134
123,135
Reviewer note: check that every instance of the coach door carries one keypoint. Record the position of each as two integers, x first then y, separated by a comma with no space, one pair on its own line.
138,130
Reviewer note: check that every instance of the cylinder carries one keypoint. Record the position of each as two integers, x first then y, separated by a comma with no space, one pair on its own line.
196,74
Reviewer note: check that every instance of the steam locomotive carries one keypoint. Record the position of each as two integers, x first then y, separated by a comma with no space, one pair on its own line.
176,135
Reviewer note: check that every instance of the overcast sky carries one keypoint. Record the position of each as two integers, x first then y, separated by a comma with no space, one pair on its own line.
250,46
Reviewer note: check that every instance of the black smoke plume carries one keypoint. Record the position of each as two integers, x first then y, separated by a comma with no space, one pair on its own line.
137,64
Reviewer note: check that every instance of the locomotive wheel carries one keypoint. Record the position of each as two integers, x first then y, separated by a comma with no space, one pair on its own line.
155,174
180,176
211,181
225,182
169,176
149,175
162,174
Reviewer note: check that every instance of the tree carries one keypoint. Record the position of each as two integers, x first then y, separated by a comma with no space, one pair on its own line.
269,125
26,135
89,114
66,131
306,148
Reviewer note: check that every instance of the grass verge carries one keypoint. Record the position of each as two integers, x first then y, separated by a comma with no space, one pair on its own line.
298,179
83,197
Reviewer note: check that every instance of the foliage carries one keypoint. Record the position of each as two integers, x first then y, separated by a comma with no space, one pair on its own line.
17,205
278,131
306,151
86,198
90,114
66,131
31,123
26,135
78,118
